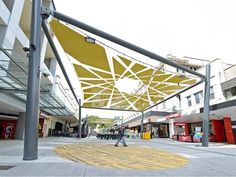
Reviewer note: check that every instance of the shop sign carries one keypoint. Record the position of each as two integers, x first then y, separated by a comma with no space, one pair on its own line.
161,119
179,123
172,116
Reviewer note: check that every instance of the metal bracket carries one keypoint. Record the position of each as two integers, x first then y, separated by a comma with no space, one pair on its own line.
46,12
33,47
26,50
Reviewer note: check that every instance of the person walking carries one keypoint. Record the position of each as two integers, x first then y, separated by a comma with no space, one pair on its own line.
121,137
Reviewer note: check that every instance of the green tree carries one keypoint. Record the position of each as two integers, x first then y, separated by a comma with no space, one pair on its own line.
93,121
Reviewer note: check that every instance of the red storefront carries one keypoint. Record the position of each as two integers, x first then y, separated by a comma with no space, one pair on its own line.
181,129
219,131
222,129
182,132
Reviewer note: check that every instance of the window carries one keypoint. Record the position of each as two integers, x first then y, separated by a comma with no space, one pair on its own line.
180,71
230,92
198,97
233,91
189,100
164,105
212,94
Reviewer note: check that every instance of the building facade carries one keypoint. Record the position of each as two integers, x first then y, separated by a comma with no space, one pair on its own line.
188,121
58,108
186,109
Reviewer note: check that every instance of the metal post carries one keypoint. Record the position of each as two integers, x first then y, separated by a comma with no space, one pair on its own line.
141,129
59,60
33,88
79,125
206,107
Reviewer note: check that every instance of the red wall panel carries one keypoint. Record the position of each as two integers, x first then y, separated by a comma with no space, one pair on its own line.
229,130
187,129
218,130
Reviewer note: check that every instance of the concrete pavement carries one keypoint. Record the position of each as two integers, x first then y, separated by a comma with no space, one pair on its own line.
217,160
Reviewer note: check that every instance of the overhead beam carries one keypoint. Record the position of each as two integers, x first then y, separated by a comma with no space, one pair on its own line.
45,107
59,60
171,96
12,91
111,109
118,41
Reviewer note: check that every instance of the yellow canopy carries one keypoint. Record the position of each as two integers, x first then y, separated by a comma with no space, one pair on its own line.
101,72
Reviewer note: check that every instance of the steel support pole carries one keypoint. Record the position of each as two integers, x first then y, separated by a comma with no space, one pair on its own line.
141,129
59,60
33,88
121,42
206,107
79,125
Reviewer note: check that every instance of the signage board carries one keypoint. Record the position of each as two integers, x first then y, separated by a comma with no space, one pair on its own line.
172,116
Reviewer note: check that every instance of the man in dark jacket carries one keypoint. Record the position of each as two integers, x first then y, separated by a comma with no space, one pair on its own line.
121,137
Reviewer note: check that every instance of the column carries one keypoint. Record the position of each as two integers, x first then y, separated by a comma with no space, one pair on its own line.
141,129
33,90
206,107
20,126
171,127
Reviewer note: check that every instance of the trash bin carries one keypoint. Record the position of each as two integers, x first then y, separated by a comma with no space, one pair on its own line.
147,135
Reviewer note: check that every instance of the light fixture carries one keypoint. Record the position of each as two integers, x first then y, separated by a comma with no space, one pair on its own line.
90,40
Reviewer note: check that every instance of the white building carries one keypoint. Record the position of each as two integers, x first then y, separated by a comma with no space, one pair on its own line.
57,105
191,102
186,108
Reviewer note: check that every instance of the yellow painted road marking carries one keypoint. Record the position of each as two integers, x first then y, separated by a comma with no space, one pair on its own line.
132,157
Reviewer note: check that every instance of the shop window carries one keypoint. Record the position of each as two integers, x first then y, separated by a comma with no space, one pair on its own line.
179,130
189,100
196,127
58,126
198,97
212,94
163,131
